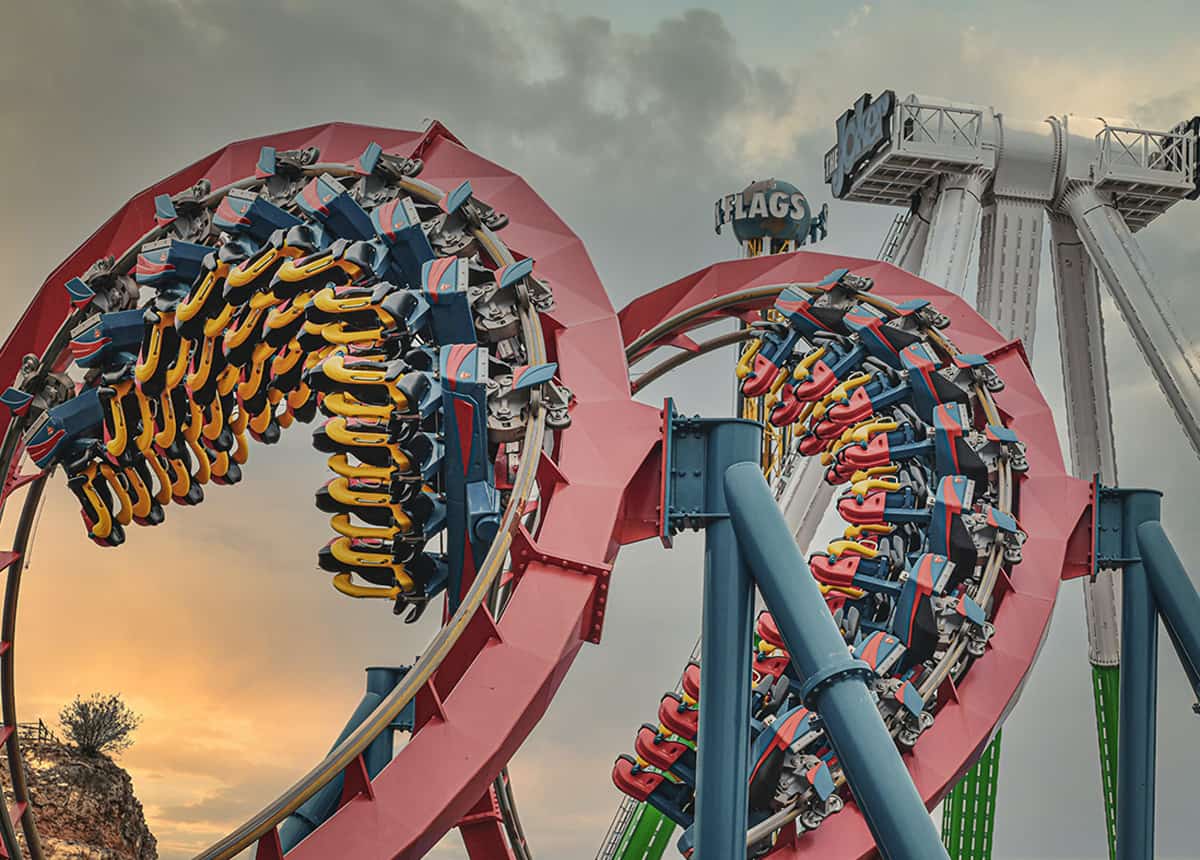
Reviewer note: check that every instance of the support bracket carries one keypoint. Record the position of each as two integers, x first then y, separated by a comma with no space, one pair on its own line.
1108,528
683,497
356,782
1080,559
1016,345
524,549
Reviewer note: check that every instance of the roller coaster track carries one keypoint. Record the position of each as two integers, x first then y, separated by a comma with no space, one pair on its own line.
665,318
617,837
540,592
955,661
472,631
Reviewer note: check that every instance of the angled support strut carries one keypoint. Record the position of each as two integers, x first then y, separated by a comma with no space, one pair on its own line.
712,480
698,452
1155,585
836,685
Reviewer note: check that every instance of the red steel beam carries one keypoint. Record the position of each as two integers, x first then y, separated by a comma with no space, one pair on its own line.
1051,503
502,692
483,830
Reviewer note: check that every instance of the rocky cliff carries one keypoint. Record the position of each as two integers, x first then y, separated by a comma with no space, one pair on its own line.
85,807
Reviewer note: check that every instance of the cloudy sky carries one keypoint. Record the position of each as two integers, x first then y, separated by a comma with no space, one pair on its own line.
630,118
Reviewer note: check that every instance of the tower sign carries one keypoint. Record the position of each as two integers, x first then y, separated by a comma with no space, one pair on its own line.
861,131
773,210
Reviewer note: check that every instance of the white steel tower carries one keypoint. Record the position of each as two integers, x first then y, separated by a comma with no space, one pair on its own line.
968,173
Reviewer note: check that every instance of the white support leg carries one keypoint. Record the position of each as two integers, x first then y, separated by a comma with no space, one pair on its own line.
1089,414
911,249
805,499
952,230
1126,270
1010,257
805,496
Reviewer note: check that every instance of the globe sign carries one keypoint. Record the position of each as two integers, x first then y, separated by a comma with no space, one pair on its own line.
770,208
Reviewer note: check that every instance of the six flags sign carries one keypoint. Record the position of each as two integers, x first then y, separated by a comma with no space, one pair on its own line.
778,210
771,209
764,203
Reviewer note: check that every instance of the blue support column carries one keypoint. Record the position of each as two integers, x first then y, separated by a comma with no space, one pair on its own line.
1139,685
836,685
381,680
723,747
1174,595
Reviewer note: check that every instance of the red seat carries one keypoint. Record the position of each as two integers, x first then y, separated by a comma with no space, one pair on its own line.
789,407
854,410
829,427
840,572
659,752
678,718
835,600
810,445
691,681
639,785
821,382
764,374
868,509
875,453
768,630
770,667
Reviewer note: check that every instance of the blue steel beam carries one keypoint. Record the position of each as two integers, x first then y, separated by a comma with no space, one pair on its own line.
836,685
727,619
1174,595
381,680
1139,685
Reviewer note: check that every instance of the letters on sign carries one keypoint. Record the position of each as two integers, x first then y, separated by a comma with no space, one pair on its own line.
860,132
761,204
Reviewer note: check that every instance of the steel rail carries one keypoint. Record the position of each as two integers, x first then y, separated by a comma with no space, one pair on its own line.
497,603
953,657
341,756
12,745
270,816
682,358
512,821
634,352
8,634
11,451
344,753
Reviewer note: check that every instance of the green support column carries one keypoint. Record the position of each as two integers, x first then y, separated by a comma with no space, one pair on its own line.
647,836
1106,686
662,838
969,812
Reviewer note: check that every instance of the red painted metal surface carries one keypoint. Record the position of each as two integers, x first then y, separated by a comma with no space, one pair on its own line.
600,490
356,783
483,830
504,689
1051,503
482,716
269,847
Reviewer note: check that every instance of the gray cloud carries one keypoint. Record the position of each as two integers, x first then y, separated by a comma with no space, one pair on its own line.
630,136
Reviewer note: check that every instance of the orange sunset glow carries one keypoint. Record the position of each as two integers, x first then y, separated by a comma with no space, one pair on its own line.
218,629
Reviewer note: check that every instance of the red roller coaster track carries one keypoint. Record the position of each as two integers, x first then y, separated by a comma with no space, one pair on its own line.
598,486
1051,501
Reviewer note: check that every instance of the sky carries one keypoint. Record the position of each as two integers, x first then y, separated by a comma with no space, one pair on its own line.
630,118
